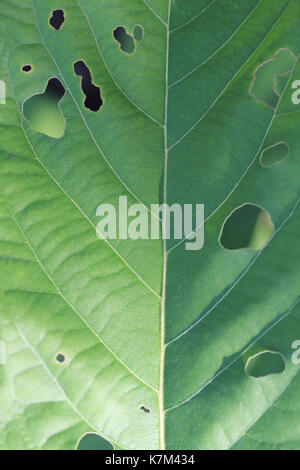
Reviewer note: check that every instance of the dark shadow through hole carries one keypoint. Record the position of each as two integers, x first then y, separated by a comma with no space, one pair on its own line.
60,358
145,409
55,89
93,100
27,68
248,226
57,19
126,41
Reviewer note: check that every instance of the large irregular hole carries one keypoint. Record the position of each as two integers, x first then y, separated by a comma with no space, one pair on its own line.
43,112
248,226
264,364
92,441
274,154
127,42
271,77
93,100
57,19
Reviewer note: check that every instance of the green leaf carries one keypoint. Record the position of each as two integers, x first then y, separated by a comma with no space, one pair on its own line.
142,342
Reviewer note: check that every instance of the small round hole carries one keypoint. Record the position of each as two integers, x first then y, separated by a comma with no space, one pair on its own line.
144,409
26,68
60,358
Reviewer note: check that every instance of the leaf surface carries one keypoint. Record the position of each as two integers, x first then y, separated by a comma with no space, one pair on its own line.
154,339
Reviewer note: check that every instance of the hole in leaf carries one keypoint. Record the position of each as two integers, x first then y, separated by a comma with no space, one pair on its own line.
43,112
92,441
60,358
57,19
248,226
27,68
145,409
274,154
126,41
264,364
271,77
138,33
93,100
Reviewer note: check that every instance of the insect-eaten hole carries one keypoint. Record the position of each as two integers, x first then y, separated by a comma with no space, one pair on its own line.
144,409
92,441
274,154
271,77
93,100
57,19
138,33
264,364
127,42
60,358
27,68
43,112
248,226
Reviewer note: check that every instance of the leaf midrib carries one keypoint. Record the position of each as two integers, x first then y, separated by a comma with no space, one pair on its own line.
165,200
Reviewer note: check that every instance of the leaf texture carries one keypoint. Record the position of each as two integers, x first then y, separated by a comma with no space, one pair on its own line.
145,324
